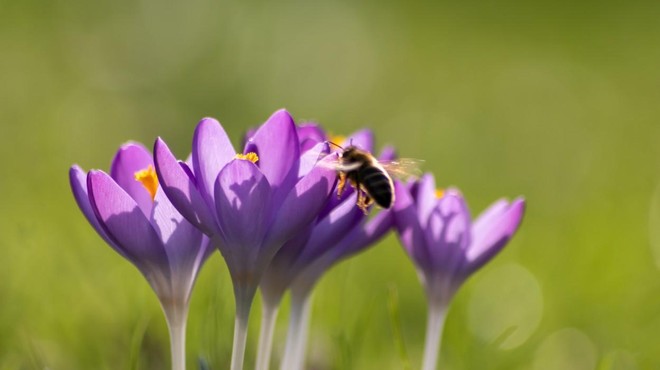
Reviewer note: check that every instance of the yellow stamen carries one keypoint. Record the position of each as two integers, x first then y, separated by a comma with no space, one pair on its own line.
251,156
337,139
148,179
439,193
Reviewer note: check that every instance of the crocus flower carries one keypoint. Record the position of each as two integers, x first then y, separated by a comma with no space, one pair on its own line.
251,202
132,214
436,230
340,230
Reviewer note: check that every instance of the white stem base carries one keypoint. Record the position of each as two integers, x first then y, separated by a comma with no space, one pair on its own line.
294,353
269,317
178,346
176,316
434,326
244,299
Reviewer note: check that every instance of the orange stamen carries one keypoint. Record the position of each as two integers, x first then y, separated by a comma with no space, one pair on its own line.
251,156
337,139
148,179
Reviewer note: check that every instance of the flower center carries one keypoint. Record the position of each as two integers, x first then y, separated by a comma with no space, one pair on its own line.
148,179
251,156
336,139
439,193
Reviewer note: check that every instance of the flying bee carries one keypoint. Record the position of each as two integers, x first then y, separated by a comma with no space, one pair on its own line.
369,177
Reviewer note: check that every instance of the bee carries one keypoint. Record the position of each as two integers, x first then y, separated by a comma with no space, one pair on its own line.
369,177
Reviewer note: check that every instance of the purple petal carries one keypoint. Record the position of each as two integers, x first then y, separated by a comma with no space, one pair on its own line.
372,231
448,233
492,213
332,228
247,136
78,181
285,266
426,198
330,162
387,154
310,134
181,188
291,251
453,209
363,139
131,158
276,144
310,158
125,224
302,205
357,240
181,239
495,235
334,201
211,151
243,203
409,229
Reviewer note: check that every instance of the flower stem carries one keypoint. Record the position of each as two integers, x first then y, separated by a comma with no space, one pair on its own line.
178,345
244,299
269,316
436,320
176,317
294,352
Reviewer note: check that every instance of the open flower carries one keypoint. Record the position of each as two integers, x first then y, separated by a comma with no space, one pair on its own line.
437,231
132,214
337,219
251,202
340,230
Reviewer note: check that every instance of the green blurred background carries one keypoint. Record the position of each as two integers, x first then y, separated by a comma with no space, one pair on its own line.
555,100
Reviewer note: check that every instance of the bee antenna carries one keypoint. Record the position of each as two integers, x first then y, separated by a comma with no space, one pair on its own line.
337,145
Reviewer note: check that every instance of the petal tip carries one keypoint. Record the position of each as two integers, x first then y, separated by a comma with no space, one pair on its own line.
204,125
388,153
519,205
402,197
131,145
159,147
281,116
208,121
93,176
75,168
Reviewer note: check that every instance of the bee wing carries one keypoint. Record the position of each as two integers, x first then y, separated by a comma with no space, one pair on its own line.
403,167
338,166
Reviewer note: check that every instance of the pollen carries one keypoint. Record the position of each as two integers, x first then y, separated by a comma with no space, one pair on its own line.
251,156
439,193
336,139
148,179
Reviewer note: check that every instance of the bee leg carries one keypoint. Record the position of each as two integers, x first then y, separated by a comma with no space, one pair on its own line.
353,183
341,184
368,201
362,201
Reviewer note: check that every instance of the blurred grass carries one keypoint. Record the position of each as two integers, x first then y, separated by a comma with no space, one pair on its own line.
395,322
556,101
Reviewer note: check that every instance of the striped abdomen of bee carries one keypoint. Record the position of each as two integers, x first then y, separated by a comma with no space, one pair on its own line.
368,177
377,184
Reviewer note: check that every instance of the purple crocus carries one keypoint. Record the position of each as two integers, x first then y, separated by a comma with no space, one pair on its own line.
436,230
132,214
251,202
337,219
340,230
